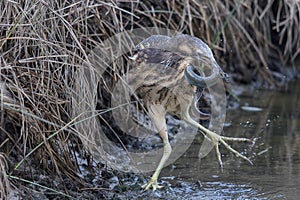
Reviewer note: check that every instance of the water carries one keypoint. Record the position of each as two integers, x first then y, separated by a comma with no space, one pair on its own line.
276,155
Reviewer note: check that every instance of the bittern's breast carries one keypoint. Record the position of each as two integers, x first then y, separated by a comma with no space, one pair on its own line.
163,82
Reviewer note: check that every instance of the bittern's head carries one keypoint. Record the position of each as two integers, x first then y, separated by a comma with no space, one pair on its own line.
197,54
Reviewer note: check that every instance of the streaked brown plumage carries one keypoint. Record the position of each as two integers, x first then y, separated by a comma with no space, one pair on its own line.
169,68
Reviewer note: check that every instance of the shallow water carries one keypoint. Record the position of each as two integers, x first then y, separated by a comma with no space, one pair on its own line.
275,154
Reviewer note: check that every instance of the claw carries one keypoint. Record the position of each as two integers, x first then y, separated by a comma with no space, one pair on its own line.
216,139
152,184
237,154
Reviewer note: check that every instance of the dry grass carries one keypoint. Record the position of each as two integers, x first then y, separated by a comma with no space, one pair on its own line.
4,182
44,47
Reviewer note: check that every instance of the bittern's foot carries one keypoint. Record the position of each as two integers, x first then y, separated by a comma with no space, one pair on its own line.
216,139
151,184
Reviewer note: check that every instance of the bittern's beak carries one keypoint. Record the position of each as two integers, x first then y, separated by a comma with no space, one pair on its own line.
193,76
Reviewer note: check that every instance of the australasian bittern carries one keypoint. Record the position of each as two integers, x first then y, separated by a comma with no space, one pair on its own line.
173,93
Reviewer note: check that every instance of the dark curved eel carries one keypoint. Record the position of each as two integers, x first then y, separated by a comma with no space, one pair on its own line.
201,81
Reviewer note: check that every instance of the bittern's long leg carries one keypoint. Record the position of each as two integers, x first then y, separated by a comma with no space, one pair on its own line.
215,139
157,113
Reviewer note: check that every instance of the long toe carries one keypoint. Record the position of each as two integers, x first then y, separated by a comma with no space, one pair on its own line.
151,184
216,139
